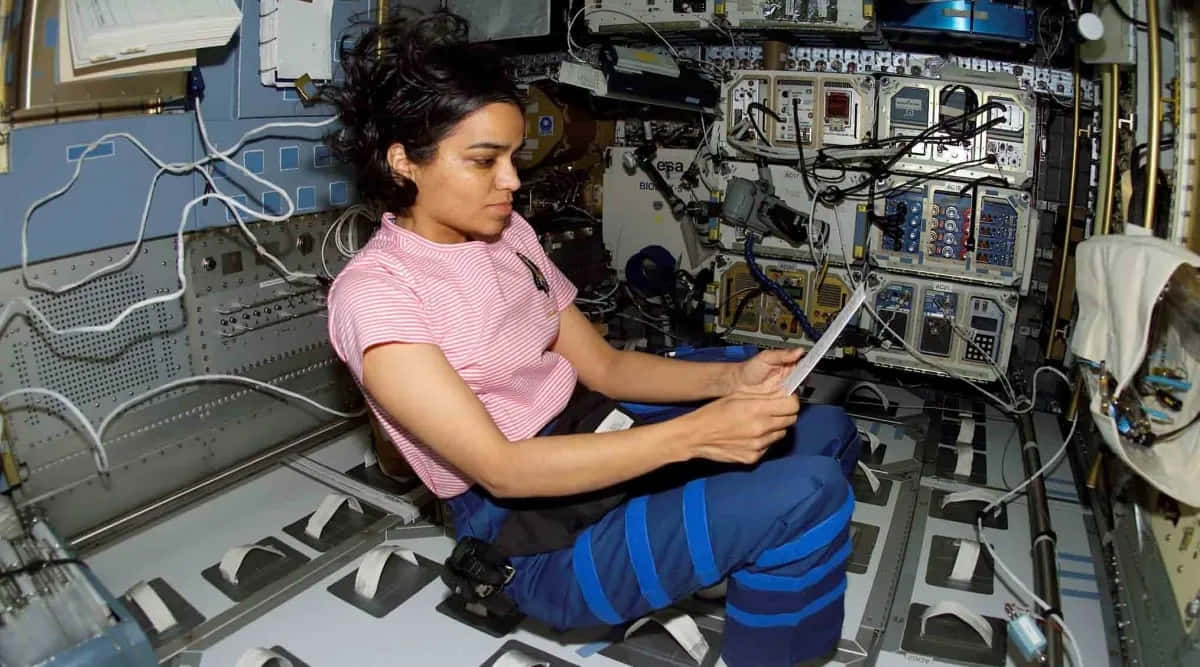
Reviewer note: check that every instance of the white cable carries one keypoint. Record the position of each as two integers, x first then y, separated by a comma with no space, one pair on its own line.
583,10
99,452
874,389
1000,375
237,207
343,247
812,247
164,167
1076,659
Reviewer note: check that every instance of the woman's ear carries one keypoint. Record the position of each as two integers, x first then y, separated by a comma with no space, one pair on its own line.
399,163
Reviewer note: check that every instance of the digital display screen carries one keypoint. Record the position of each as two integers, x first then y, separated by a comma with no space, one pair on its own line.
837,105
983,324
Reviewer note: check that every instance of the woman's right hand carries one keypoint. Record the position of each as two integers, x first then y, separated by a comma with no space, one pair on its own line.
739,428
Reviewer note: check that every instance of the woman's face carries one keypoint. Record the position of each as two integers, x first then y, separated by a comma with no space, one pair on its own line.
466,191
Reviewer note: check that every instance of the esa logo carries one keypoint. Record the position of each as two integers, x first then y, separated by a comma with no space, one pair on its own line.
667,167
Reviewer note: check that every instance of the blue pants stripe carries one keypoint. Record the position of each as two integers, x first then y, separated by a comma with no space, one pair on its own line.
789,619
772,582
695,523
589,580
637,538
817,537
692,525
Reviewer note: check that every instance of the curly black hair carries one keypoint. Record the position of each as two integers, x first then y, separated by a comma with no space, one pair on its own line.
409,81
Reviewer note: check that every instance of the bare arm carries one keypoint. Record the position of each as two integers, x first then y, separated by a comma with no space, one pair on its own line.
418,387
635,376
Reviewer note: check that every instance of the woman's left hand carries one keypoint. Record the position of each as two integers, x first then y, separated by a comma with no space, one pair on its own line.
764,372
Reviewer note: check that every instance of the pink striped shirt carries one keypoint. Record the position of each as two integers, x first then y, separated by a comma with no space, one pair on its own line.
493,316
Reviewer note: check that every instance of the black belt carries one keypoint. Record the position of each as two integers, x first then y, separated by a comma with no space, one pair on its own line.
478,571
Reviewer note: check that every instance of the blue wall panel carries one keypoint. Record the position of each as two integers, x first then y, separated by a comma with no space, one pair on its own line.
104,206
306,181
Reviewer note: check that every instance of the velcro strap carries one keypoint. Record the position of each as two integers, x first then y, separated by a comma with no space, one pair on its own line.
978,495
872,478
325,511
681,627
152,606
515,658
964,459
366,581
966,430
946,607
259,657
231,562
965,561
872,440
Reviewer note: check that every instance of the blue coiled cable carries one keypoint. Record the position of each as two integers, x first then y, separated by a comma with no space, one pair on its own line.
778,291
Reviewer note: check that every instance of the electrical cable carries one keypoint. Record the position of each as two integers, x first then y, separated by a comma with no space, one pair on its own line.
778,290
95,435
1076,659
343,247
751,293
874,388
709,68
174,168
1020,406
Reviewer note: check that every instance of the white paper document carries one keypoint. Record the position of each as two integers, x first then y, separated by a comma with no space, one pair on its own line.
818,351
104,31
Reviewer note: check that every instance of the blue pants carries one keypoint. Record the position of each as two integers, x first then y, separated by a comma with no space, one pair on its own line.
778,530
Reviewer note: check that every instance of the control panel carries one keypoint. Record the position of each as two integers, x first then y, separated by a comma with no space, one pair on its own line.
800,93
950,219
833,109
777,319
843,15
938,310
739,96
1007,139
739,298
840,118
894,304
908,107
986,322
906,210
996,234
664,15
829,296
745,311
961,327
975,233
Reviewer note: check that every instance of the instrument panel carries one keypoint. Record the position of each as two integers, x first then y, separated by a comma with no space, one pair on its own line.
744,310
1004,150
833,109
976,233
965,328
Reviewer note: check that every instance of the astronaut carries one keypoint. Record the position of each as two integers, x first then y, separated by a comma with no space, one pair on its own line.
588,485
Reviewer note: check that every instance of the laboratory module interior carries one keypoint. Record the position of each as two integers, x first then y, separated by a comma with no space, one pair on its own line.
981,218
